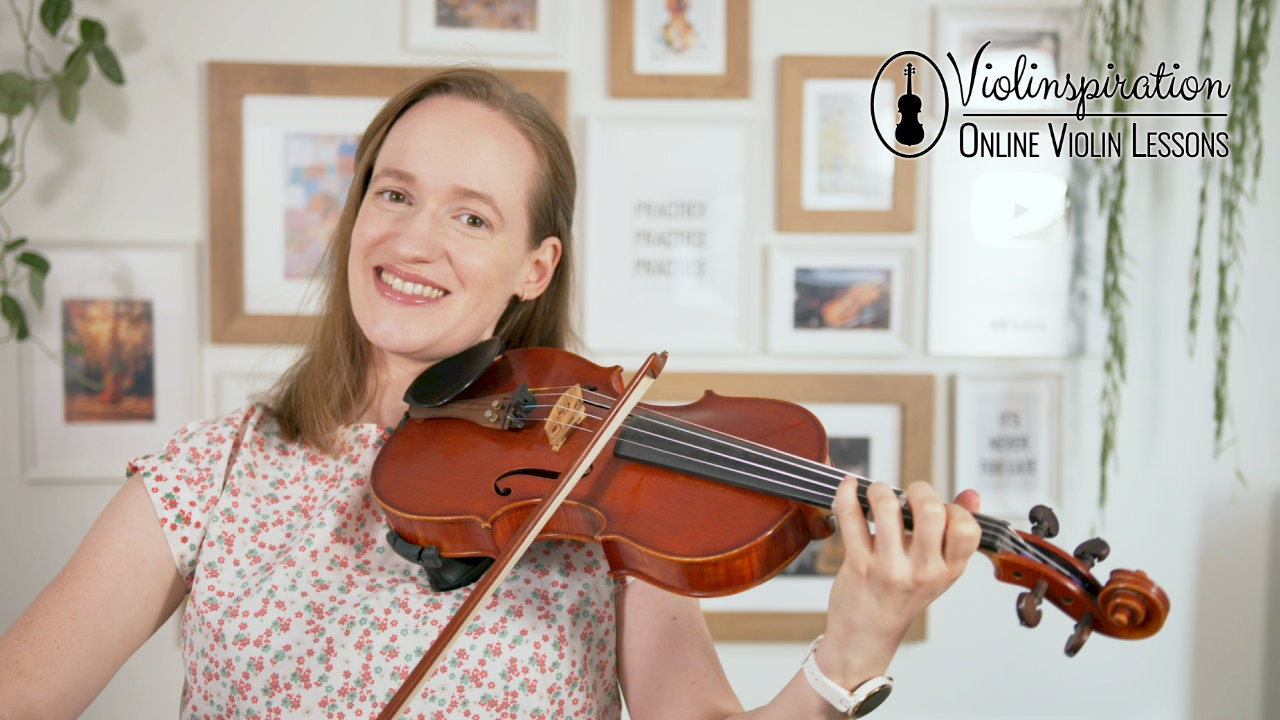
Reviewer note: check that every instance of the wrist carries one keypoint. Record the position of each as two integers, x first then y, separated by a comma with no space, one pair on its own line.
853,699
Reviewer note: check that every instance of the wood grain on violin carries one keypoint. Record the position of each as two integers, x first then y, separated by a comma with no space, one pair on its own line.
703,499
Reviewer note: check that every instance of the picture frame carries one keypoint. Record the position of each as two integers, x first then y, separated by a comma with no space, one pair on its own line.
114,369
269,126
834,173
655,55
1006,277
1008,441
672,249
1047,35
840,301
526,27
793,609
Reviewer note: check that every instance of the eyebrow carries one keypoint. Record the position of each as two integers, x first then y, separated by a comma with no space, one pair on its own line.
461,191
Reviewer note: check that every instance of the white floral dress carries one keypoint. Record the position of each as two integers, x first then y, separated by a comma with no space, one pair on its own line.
298,607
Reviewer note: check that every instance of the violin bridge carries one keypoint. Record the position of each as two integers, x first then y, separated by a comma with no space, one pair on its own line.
568,413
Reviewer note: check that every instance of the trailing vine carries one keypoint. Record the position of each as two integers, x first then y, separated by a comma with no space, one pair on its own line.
1114,26
22,94
1237,183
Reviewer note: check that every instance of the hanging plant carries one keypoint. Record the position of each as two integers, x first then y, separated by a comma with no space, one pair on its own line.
1114,32
23,92
1115,42
1237,183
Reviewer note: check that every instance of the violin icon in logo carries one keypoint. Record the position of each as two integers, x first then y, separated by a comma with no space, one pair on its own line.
908,131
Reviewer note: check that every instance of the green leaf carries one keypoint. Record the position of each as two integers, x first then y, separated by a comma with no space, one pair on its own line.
14,244
76,69
53,13
68,100
35,284
16,92
6,178
91,32
108,63
35,261
12,312
76,56
6,145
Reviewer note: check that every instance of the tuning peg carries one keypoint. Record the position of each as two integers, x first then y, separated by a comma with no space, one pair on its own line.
1043,522
1029,604
1092,551
1083,629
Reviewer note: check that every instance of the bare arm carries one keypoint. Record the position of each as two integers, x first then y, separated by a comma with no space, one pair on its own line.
117,589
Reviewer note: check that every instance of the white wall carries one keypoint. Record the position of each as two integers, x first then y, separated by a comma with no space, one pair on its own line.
134,168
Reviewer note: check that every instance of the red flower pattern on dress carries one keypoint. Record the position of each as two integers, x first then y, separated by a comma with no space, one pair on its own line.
298,607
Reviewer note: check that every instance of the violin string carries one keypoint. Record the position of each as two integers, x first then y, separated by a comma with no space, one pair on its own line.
998,530
1001,534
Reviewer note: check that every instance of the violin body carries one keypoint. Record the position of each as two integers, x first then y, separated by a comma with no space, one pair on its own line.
466,485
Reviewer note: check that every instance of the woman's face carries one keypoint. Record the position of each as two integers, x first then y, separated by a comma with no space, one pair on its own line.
441,243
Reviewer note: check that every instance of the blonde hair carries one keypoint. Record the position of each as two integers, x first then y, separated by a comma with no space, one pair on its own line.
328,385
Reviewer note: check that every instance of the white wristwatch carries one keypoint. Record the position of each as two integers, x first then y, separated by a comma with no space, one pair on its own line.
856,702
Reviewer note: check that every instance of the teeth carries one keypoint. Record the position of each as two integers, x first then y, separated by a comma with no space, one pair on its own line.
411,288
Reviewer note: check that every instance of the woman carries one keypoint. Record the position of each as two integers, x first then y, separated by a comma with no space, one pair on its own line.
458,227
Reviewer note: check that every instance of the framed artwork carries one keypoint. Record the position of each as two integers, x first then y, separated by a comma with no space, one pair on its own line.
834,173
282,142
1043,41
482,29
685,49
1007,439
881,425
1003,266
112,370
668,235
839,302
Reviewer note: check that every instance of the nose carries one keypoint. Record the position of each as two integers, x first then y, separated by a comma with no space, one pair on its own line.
420,237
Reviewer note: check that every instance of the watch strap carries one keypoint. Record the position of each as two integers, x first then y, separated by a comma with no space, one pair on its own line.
856,702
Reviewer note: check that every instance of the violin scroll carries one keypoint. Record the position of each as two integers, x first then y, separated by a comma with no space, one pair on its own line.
1128,606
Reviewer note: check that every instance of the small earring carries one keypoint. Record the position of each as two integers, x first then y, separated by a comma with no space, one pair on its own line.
523,292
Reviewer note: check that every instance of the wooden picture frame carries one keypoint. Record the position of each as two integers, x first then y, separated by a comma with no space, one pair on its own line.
628,80
230,86
913,394
869,189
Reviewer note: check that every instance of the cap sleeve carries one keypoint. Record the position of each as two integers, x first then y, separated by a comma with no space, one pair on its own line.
186,480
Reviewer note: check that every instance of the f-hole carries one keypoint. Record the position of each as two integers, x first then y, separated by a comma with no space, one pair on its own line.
502,491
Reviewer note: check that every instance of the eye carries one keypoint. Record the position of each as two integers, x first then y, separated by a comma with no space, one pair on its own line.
474,221
392,196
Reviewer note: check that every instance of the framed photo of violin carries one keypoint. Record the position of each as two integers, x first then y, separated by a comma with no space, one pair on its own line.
835,173
113,365
282,142
481,29
878,426
683,49
839,301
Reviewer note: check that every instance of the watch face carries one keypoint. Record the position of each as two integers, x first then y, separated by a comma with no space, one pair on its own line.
873,700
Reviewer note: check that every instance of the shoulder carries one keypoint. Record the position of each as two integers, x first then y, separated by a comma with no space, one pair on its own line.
209,443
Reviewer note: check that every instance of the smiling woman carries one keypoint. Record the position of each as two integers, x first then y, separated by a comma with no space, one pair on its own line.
456,230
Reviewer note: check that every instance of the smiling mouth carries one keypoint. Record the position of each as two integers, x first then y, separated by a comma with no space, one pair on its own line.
412,288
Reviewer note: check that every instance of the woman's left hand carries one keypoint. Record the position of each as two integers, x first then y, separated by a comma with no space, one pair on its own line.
888,578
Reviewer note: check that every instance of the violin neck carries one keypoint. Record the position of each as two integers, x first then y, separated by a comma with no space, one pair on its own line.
672,444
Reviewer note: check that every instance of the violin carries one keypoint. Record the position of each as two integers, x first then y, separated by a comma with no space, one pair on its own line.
704,499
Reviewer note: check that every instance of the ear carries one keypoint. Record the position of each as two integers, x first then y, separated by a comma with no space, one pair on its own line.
540,267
